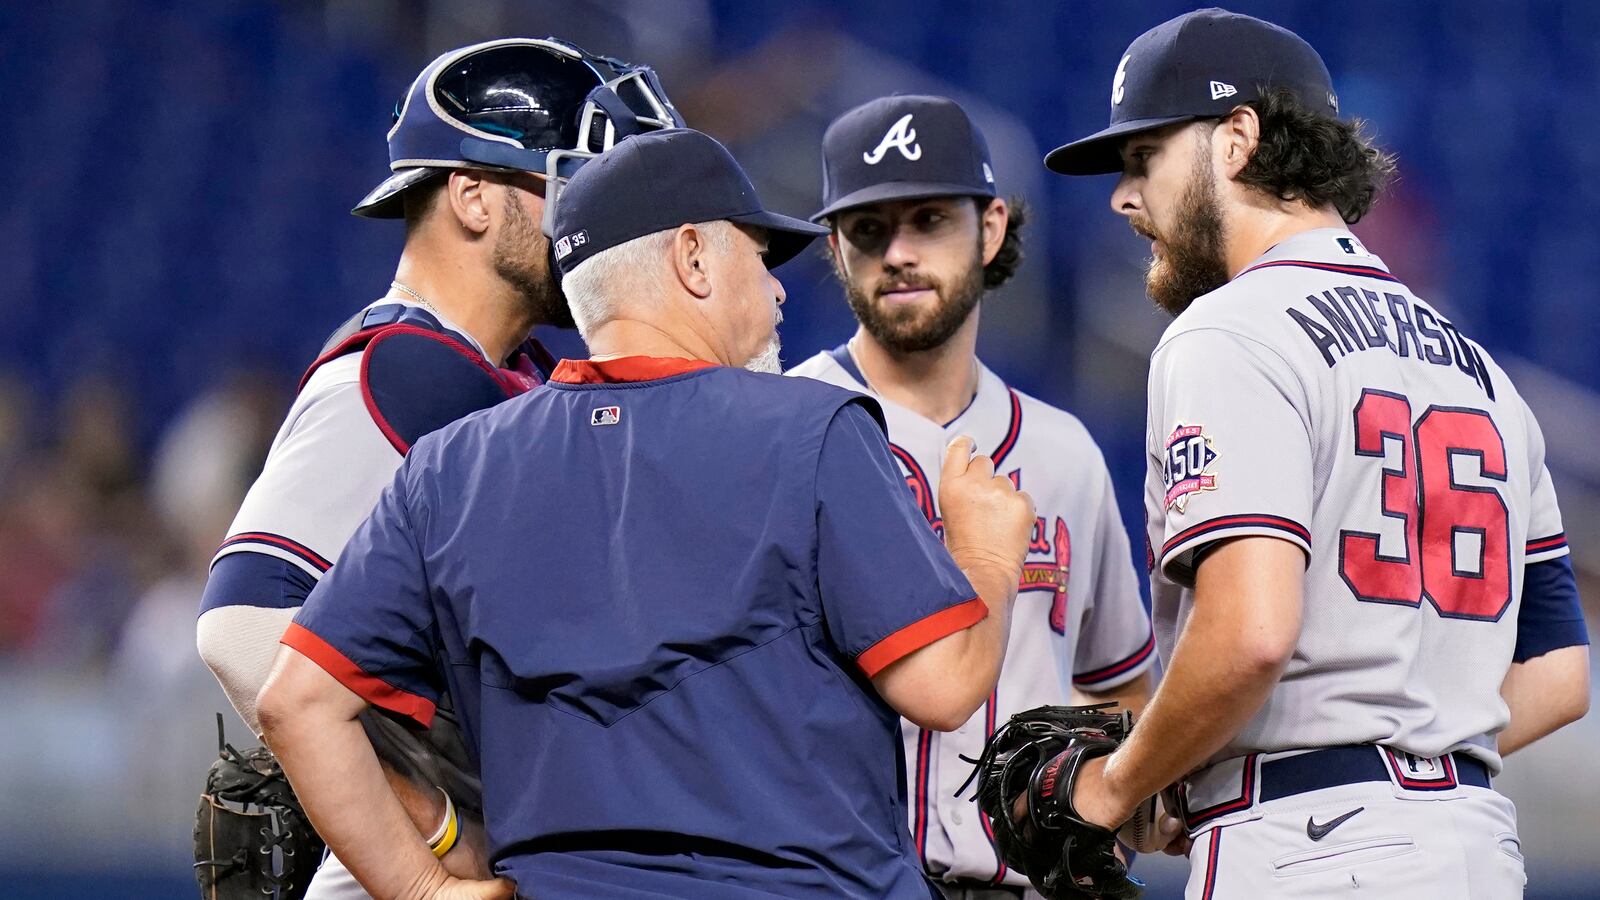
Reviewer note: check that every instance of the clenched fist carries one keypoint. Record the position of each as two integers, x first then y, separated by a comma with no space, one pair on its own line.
987,521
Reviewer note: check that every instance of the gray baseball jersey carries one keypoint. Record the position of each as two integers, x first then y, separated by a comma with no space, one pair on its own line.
1315,399
337,449
1078,619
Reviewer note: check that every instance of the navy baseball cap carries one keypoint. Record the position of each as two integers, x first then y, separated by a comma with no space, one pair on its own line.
662,180
537,105
902,148
1200,65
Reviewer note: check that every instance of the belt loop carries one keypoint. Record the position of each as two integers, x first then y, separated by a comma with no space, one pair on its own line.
1416,773
1249,776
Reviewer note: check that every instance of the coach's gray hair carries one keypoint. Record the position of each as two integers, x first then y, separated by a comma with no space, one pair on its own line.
633,271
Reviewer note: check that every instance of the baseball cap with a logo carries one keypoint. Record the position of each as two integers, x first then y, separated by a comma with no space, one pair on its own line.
902,148
1200,65
662,180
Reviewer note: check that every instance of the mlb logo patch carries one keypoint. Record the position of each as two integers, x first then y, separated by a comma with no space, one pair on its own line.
1189,458
571,242
606,415
1351,246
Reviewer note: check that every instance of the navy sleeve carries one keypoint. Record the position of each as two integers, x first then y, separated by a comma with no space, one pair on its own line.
370,621
247,578
1551,616
888,585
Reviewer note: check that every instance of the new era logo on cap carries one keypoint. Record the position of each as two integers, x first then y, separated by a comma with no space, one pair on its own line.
1155,84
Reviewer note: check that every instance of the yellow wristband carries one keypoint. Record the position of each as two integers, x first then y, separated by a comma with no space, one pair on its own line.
446,836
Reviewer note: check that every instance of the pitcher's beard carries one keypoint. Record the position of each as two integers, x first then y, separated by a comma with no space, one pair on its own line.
1192,262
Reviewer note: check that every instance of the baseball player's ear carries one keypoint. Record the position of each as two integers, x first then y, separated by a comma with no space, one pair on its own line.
992,221
467,193
691,260
1236,138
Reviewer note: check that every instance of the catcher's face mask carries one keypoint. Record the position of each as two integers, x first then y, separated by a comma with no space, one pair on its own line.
534,105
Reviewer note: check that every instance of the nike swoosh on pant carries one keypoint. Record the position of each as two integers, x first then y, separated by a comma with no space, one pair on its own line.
1318,832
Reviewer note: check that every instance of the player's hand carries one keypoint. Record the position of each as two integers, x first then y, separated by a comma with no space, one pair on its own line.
463,889
987,521
1090,799
1094,800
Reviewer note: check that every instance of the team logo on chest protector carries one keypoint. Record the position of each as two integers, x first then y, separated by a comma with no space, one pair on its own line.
1188,464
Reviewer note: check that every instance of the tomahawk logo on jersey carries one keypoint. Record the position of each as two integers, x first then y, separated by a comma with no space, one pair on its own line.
1315,399
1078,619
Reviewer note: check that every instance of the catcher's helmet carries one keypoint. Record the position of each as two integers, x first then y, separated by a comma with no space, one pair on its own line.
537,105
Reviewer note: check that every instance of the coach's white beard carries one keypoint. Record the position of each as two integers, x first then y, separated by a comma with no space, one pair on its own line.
767,360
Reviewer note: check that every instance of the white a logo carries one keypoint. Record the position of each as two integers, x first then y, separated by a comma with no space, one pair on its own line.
1220,89
1120,80
901,136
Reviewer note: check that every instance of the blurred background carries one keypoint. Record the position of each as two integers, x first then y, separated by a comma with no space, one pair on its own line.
177,247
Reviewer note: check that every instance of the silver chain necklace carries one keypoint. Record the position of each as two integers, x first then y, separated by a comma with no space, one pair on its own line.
419,298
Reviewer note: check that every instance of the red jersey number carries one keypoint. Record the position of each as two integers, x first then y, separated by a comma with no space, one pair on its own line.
1457,546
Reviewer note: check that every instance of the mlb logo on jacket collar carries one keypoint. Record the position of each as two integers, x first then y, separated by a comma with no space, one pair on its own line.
606,415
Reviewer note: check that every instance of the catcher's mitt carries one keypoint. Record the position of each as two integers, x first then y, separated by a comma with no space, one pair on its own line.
1037,755
251,837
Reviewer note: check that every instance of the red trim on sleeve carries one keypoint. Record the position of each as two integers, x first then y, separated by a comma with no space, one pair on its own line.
1554,542
920,634
1105,673
299,550
371,689
1222,523
624,368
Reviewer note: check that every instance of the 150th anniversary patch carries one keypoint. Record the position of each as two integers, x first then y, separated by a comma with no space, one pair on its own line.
1188,465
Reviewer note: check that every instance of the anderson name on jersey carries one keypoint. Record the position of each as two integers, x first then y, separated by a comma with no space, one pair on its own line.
1314,398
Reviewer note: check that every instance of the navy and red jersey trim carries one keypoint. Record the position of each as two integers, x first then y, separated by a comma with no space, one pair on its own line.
1106,673
919,824
1014,429
370,688
1226,523
1193,820
1213,852
1546,544
299,550
1363,271
989,711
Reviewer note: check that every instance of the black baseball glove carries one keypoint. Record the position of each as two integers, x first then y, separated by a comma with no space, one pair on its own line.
251,836
1037,756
